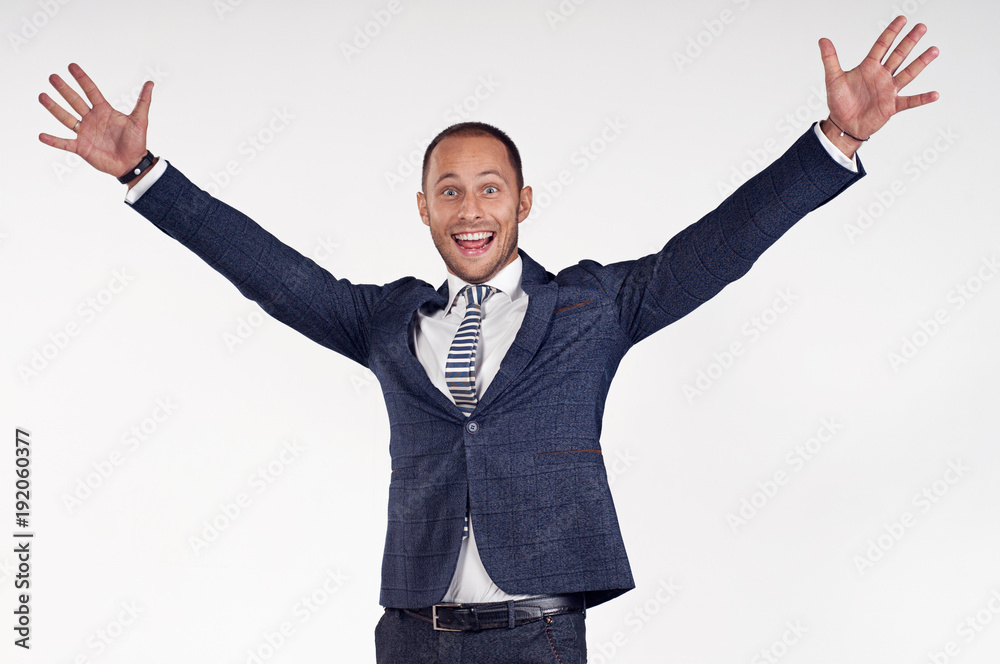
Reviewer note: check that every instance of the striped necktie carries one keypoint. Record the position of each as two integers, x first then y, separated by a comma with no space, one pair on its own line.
460,368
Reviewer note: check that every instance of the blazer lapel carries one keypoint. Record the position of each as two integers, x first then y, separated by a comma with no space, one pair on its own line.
399,334
542,291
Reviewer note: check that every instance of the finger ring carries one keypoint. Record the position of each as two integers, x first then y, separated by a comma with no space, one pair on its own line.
76,127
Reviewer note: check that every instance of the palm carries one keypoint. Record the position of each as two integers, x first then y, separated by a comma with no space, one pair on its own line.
108,140
863,99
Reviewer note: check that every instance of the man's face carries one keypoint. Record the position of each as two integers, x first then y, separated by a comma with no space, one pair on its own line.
472,206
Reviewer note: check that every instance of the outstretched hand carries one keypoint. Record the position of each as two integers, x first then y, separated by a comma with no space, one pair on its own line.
108,140
863,99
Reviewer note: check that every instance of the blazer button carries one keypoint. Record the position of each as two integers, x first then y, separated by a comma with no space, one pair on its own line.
472,427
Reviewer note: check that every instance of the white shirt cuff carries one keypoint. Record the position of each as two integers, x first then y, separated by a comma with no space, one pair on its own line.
850,163
147,181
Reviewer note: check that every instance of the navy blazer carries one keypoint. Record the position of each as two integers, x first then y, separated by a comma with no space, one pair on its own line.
528,459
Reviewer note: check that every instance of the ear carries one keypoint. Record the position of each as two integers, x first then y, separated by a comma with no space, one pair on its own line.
422,208
524,204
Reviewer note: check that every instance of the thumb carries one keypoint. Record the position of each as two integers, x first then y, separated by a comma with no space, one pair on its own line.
831,63
141,111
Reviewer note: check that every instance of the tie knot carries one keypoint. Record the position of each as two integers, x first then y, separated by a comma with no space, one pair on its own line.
476,295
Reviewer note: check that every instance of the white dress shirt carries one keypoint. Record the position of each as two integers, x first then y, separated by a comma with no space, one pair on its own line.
503,313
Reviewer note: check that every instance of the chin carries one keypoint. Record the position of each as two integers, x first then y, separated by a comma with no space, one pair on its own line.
474,274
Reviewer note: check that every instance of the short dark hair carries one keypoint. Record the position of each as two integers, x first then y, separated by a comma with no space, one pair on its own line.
476,129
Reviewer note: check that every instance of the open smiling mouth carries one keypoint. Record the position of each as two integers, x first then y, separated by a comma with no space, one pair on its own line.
473,243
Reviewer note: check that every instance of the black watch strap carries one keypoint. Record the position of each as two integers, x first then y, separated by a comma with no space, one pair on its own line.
146,162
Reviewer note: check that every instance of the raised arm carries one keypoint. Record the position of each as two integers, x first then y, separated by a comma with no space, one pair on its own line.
702,259
286,284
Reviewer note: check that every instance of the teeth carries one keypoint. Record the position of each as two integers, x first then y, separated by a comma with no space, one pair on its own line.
474,236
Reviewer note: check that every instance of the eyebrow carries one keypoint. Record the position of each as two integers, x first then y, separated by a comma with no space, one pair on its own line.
478,175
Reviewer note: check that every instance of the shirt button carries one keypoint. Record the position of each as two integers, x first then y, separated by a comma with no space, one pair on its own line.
472,427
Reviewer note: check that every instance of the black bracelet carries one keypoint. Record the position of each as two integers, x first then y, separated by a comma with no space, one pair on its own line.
844,133
146,162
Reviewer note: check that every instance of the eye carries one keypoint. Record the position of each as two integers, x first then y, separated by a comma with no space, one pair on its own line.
491,190
450,192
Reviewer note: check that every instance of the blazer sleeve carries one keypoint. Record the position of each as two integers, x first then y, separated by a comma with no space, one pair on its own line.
697,263
286,284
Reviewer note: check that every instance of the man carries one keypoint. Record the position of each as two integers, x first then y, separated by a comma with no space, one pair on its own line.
501,528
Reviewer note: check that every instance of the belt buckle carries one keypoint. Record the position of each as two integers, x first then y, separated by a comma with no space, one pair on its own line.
434,617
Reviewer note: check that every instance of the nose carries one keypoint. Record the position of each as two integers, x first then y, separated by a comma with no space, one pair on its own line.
472,208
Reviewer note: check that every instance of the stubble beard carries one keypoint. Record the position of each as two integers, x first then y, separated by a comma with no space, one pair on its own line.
445,243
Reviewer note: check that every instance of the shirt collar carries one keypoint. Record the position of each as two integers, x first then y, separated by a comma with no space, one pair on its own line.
507,281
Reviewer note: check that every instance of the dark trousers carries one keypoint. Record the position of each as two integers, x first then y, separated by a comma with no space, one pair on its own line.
403,639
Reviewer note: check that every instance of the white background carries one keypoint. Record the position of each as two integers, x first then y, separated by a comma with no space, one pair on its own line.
109,535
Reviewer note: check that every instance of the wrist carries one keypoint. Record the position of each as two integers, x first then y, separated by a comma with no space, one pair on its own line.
844,142
134,181
140,167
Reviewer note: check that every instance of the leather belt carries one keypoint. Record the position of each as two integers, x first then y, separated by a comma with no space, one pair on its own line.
476,617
